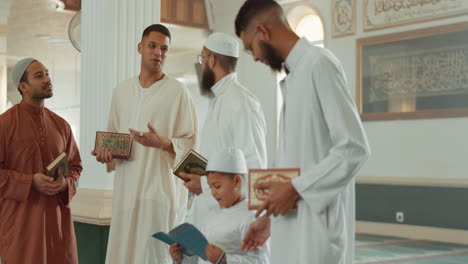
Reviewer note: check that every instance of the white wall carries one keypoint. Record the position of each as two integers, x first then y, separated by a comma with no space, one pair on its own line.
425,148
182,67
66,99
3,81
255,76
4,12
429,148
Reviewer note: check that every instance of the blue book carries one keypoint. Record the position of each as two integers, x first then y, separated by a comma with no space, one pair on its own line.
188,237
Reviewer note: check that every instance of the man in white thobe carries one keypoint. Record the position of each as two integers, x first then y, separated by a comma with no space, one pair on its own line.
235,117
147,197
320,133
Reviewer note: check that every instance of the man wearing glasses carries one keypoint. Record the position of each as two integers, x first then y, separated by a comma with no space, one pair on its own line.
320,132
235,117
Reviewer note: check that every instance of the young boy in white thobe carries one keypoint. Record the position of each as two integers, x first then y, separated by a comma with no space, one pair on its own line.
226,226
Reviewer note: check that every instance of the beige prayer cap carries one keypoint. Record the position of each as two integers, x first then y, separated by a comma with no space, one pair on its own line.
19,69
223,44
227,161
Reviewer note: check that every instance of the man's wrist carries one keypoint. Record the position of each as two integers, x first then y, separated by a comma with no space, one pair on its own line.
296,195
65,188
221,259
167,145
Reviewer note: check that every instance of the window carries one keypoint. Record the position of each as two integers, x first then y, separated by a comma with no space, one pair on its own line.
306,21
311,27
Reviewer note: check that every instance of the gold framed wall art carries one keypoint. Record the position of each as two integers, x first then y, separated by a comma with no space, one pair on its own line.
415,74
343,17
378,14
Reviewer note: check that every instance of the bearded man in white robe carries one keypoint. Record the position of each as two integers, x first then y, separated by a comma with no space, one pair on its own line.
235,118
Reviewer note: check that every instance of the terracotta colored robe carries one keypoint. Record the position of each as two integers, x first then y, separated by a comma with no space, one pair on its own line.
35,228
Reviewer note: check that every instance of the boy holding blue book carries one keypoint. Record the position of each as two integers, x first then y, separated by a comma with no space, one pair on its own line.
226,225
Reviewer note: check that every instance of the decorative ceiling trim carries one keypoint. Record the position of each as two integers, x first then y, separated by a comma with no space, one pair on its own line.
72,5
188,13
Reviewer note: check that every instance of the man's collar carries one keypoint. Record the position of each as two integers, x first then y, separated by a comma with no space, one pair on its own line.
220,86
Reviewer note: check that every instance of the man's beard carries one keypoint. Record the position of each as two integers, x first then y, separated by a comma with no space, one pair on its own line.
271,56
42,95
207,82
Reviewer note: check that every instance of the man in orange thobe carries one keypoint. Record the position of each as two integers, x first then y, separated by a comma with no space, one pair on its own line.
35,220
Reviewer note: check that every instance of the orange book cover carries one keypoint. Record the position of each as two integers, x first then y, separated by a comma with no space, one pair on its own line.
258,197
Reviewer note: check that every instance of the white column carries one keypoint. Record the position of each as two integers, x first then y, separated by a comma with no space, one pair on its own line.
3,77
110,32
4,12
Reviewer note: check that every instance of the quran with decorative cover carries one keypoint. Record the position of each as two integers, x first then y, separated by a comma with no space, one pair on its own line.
258,197
191,163
119,144
60,162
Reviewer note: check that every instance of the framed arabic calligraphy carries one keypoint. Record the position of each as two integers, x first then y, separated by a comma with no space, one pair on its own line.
390,13
415,74
343,17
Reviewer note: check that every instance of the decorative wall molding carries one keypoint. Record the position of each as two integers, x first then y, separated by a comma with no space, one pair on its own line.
3,30
413,232
343,18
413,181
379,14
191,13
92,206
73,5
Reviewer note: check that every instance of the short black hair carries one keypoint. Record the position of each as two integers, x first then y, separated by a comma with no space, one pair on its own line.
249,10
156,28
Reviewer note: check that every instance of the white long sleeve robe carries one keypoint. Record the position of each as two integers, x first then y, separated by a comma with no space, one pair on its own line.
321,133
226,229
147,197
235,119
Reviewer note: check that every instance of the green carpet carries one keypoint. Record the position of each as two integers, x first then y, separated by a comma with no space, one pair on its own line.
387,250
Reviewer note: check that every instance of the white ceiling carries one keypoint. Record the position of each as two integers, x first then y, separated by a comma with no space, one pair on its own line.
186,40
35,29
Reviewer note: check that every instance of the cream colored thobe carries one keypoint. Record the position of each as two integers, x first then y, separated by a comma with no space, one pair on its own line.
321,133
235,119
147,197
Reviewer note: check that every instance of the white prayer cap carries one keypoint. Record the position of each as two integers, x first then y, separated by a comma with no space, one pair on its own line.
19,69
228,161
223,44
